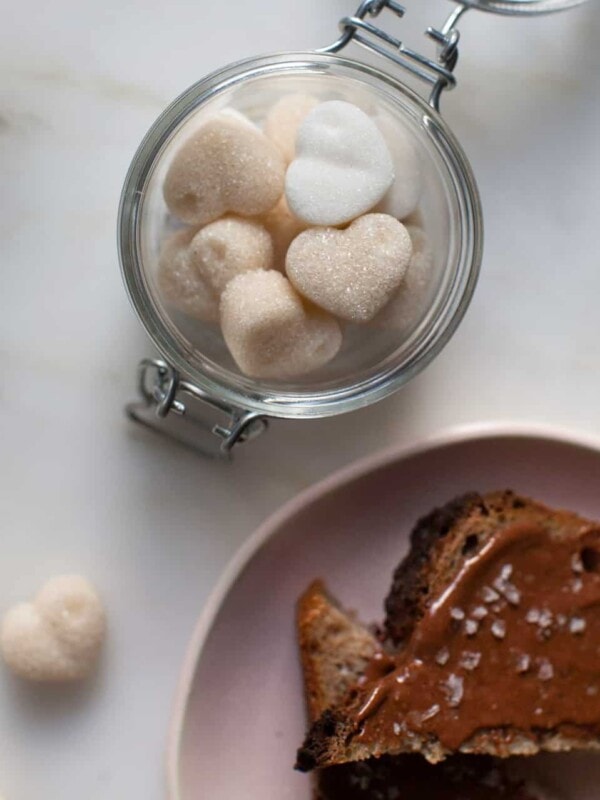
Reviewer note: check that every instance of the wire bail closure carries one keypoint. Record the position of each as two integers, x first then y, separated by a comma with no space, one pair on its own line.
167,403
437,73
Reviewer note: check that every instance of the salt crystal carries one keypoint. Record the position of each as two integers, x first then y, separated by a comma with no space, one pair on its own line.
498,628
479,613
430,713
351,273
545,619
506,572
442,656
226,165
489,595
546,670
576,585
342,166
523,663
471,627
577,625
284,118
576,562
512,594
269,331
533,616
470,660
457,613
397,729
561,620
454,690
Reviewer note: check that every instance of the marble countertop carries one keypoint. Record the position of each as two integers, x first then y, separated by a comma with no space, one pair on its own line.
152,524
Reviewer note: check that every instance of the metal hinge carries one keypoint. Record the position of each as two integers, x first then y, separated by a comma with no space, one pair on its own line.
165,396
439,73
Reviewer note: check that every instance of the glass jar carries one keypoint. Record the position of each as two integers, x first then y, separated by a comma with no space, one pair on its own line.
197,374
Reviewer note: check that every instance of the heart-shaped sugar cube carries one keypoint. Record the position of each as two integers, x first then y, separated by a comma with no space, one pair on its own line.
227,165
408,302
402,197
342,167
58,636
195,267
284,118
270,332
351,273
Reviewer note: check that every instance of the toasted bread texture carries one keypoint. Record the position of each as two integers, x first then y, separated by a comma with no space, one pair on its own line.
334,648
443,544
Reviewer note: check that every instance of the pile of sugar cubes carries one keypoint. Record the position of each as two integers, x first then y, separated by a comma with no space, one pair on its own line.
294,230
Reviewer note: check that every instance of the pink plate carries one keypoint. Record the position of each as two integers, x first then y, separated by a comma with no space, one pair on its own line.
239,714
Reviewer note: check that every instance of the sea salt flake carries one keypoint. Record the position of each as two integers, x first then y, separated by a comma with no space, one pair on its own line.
512,594
577,625
454,687
442,656
506,572
471,627
576,585
545,620
489,595
523,663
533,616
431,712
457,614
546,670
397,728
576,563
479,612
470,659
499,628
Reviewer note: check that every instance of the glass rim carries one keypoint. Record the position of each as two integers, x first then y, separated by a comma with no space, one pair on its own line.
528,8
269,401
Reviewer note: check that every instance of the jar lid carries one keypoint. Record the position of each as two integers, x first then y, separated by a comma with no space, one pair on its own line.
522,7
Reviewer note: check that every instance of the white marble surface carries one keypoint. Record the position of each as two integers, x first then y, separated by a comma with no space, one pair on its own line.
153,525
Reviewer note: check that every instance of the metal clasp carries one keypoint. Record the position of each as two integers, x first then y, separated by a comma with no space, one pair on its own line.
437,73
166,396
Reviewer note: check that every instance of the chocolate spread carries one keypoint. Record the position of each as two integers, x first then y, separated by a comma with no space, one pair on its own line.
512,643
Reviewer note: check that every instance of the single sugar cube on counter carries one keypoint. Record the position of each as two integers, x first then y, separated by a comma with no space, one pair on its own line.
195,267
283,227
283,120
351,273
58,636
270,332
342,167
408,302
226,165
403,196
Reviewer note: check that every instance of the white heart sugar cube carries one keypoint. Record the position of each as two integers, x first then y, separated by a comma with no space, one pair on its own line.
351,273
342,167
270,332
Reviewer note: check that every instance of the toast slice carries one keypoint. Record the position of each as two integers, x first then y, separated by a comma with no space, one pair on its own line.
495,614
334,650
